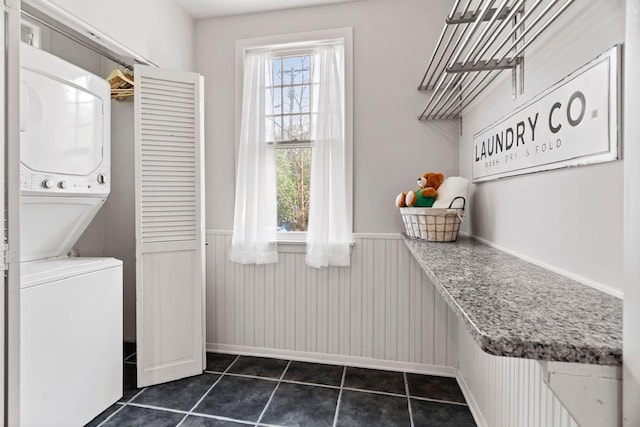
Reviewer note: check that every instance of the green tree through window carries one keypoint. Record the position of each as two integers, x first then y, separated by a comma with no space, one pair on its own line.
292,101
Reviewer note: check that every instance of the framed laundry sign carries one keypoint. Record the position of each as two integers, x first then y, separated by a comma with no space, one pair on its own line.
574,122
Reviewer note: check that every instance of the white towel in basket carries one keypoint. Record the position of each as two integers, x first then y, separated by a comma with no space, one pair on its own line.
452,187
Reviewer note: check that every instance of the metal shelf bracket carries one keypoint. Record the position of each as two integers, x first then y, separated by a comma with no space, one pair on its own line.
493,64
470,16
480,39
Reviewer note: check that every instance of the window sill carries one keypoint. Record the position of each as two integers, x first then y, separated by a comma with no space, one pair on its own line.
297,246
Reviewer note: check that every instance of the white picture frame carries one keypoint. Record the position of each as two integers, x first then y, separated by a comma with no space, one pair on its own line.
573,123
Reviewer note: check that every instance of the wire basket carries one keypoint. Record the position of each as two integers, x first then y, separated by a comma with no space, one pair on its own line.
434,224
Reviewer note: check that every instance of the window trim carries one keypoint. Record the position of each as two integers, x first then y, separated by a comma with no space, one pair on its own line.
298,42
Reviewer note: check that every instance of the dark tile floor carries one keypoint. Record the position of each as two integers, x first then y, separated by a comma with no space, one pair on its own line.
241,390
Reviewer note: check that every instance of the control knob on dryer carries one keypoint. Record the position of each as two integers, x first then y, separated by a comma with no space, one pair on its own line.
63,185
47,183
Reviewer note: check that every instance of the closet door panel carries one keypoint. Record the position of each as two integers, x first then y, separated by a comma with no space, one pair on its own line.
169,225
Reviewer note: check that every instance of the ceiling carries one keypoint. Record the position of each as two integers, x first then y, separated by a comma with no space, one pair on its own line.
215,8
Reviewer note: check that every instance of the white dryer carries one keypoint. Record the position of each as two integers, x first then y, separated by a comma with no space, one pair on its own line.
65,148
71,308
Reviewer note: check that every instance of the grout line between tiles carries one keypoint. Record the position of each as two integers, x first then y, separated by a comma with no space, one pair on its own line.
207,392
254,377
384,393
217,417
334,387
134,396
157,408
182,420
335,416
112,415
273,393
406,389
122,405
426,399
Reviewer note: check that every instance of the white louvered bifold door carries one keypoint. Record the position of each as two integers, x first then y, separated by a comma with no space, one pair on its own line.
169,225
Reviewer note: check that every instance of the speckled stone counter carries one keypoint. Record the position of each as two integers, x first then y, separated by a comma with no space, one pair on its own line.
517,309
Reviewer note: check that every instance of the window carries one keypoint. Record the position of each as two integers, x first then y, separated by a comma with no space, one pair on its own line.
294,146
292,105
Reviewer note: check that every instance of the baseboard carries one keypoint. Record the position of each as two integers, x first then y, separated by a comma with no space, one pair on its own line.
471,401
336,359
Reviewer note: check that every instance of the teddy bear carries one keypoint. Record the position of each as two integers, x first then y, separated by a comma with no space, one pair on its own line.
424,195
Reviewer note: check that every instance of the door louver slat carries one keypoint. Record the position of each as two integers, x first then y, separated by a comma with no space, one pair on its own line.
164,91
151,137
167,83
168,130
180,102
169,119
167,105
166,150
161,111
168,124
168,216
159,144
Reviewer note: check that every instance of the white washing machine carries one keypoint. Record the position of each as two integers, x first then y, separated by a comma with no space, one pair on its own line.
71,308
71,340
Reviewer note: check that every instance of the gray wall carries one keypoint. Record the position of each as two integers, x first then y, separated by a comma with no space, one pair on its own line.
569,219
392,40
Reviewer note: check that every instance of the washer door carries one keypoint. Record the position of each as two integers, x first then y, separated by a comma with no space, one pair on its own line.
61,126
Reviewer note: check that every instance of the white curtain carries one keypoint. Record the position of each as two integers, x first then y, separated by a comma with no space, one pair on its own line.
255,215
329,230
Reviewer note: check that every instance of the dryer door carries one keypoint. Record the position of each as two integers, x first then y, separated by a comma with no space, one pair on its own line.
61,126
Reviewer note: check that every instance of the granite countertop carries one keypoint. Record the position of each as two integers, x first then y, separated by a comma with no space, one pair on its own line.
517,309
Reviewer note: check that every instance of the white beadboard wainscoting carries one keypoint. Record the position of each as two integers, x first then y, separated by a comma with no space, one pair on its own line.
380,312
506,391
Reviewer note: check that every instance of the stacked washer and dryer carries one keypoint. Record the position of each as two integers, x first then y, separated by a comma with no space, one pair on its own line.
71,307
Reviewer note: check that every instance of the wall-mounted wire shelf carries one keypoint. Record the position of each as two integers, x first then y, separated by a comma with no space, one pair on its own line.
480,39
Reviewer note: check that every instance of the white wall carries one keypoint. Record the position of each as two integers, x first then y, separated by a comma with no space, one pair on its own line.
570,219
160,30
392,40
631,344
